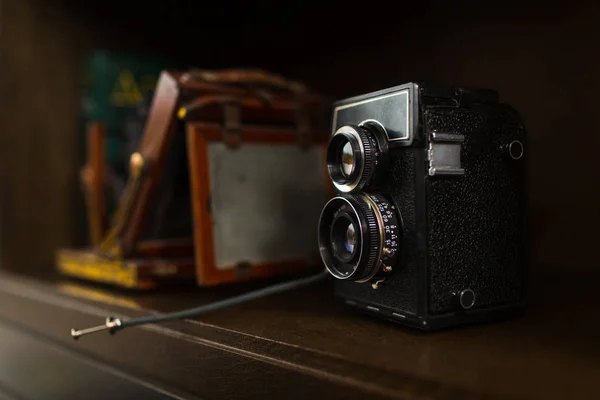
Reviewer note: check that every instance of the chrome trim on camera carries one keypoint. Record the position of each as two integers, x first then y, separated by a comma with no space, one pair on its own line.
374,121
510,147
443,154
462,293
447,137
348,187
358,103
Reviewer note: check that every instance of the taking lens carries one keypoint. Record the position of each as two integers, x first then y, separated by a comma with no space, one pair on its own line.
350,238
343,237
344,159
357,234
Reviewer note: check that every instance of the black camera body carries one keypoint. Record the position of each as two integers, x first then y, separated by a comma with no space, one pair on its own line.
429,227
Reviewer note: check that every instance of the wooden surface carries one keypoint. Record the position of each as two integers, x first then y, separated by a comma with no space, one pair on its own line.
304,343
24,373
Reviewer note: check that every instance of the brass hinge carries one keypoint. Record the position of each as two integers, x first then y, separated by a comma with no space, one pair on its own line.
110,245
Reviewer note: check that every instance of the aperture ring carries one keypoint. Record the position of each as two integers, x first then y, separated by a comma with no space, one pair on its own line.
372,248
378,225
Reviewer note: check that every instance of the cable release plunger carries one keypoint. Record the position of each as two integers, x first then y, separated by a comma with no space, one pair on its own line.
115,324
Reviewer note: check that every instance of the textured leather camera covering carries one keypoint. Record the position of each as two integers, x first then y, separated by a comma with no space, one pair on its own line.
476,222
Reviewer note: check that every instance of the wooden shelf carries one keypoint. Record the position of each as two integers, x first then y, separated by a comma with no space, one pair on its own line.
305,343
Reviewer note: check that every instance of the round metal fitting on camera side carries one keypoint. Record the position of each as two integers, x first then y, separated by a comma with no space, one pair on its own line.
466,298
361,174
516,150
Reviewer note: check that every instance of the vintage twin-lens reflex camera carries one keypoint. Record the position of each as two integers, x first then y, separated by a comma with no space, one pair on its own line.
429,226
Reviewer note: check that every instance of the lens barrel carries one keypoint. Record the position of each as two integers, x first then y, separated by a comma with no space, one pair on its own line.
352,155
358,234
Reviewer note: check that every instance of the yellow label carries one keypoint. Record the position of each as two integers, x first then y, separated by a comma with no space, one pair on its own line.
97,269
126,92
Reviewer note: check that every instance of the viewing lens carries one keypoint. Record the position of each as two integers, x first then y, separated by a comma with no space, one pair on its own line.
344,160
352,155
347,159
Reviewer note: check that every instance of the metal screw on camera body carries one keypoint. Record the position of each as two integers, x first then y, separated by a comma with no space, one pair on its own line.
516,150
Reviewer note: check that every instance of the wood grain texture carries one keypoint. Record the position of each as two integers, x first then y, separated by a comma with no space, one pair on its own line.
305,343
209,361
23,368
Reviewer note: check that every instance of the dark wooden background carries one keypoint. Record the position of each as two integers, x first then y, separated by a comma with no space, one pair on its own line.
542,60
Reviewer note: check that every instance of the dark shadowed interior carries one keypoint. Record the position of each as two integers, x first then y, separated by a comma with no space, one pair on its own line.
543,60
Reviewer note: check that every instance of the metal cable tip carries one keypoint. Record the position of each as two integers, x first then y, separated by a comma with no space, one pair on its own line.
111,324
